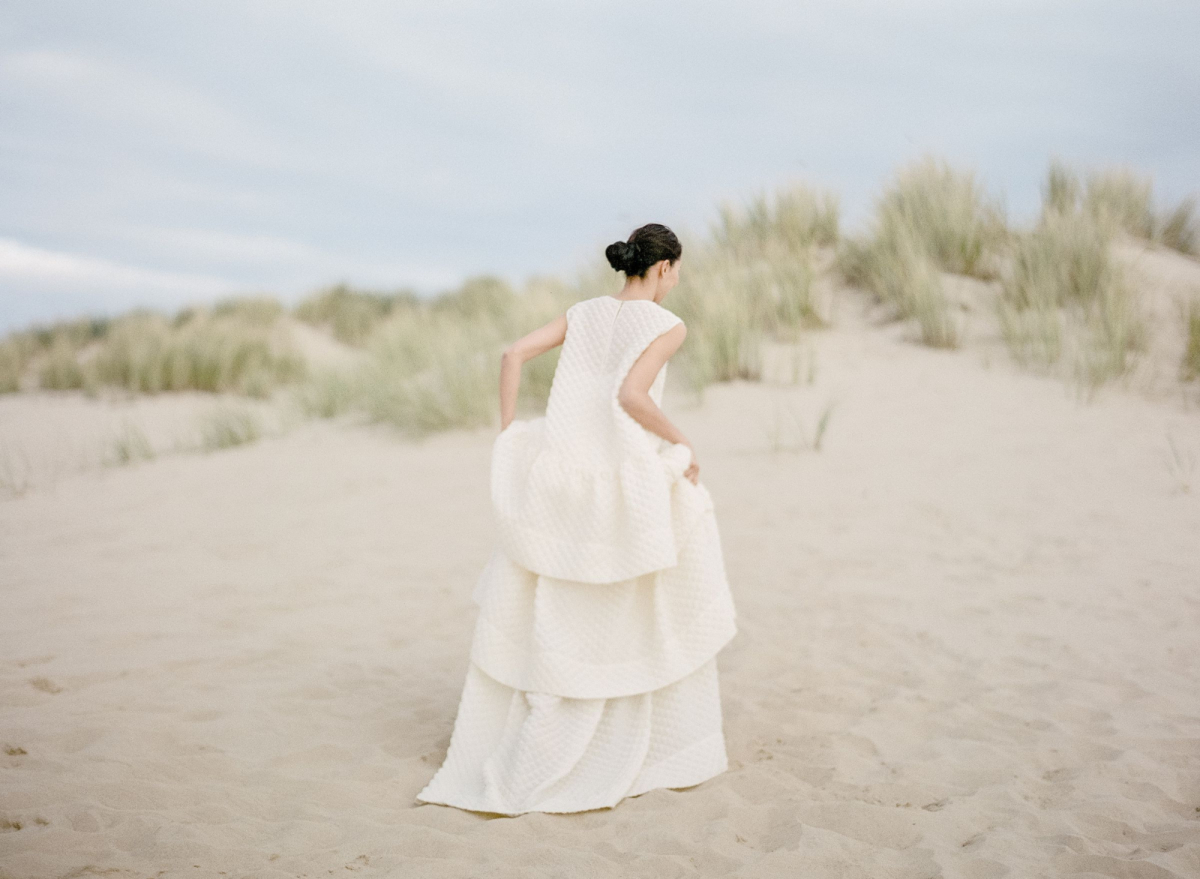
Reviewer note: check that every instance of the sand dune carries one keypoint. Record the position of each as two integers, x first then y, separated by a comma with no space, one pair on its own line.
967,648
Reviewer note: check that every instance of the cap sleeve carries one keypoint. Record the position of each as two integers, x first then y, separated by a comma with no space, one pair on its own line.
646,325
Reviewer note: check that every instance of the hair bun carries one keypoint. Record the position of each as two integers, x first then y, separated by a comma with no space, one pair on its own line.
646,246
619,254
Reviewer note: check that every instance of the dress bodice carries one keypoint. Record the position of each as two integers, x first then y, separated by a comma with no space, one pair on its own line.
605,336
584,492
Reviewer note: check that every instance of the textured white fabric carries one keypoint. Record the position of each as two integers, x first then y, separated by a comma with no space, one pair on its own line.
578,493
592,673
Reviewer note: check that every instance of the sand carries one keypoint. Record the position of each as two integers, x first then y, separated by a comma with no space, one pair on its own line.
968,639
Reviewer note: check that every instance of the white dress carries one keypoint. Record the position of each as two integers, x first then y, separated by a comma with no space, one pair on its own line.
592,673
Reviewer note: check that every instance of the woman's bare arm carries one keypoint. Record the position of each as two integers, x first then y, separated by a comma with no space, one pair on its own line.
634,395
515,356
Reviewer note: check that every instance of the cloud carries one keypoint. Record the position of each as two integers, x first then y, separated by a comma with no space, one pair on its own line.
21,264
228,248
38,284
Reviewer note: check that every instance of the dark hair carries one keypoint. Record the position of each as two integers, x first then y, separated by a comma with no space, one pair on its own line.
646,246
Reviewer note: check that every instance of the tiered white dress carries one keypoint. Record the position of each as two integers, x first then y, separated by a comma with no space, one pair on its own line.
592,674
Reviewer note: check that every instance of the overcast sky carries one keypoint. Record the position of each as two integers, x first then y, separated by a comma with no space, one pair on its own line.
164,152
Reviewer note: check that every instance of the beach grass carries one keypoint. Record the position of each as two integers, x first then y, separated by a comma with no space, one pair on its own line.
48,349
351,316
1123,199
60,368
958,225
205,352
1178,229
902,274
1189,368
1063,293
128,445
15,353
327,393
931,218
795,216
757,274
753,278
226,426
437,366
233,346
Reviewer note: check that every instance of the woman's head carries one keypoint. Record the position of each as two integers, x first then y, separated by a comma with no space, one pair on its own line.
647,246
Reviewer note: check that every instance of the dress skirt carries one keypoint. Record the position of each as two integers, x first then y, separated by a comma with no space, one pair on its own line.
579,694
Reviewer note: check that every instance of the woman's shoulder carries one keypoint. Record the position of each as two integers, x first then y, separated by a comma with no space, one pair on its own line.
648,304
661,316
643,316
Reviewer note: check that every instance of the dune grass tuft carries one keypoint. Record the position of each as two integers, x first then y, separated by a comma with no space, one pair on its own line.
1120,198
438,366
60,369
129,445
1063,291
753,278
787,429
219,353
1178,229
896,267
51,350
1033,334
16,352
352,315
948,213
260,311
795,217
1190,367
432,373
725,330
327,393
1061,191
236,345
932,218
226,426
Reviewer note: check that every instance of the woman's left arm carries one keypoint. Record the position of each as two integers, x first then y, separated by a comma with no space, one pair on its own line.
515,356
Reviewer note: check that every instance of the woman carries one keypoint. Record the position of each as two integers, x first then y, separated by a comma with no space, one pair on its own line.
592,674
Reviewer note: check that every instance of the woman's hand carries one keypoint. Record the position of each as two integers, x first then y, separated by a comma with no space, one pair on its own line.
693,471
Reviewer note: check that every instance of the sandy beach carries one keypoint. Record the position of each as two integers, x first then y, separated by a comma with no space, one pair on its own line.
968,638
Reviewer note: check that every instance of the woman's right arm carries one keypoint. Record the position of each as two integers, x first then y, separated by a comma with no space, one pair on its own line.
634,394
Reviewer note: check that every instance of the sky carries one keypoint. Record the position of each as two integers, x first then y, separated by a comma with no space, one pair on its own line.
168,153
